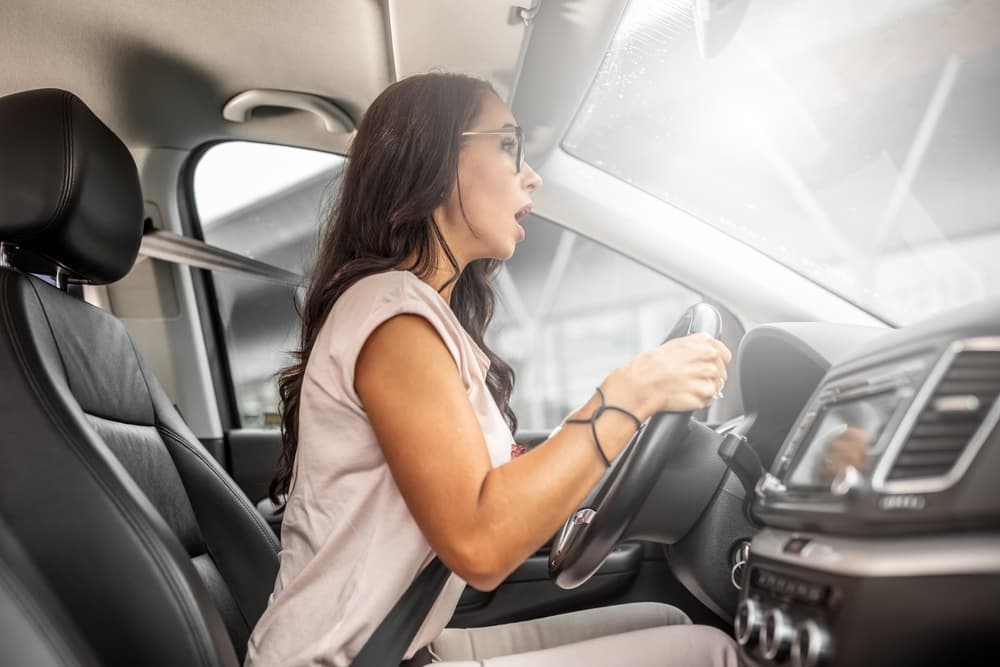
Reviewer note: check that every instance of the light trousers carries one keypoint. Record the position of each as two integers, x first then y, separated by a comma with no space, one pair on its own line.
631,635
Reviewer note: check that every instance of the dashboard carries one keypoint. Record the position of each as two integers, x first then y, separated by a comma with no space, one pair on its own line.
878,516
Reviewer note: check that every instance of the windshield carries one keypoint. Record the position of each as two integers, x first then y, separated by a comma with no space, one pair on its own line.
854,141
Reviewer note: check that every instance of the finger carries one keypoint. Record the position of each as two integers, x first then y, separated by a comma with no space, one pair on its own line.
723,374
716,350
710,350
710,370
706,344
708,392
717,370
718,390
724,352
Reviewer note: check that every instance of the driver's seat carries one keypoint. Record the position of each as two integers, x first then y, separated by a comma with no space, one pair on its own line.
148,544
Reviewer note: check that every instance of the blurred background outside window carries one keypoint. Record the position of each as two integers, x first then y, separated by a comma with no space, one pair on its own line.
569,310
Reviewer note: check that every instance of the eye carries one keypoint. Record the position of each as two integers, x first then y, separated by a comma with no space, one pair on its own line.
509,144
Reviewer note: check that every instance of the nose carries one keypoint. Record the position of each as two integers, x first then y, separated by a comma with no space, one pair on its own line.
530,179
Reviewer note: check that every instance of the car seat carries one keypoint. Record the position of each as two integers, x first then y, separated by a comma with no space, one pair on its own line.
141,535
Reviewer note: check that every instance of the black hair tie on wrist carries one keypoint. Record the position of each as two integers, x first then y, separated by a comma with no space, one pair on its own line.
592,420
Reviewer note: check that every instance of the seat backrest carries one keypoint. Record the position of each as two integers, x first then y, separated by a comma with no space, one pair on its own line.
149,544
34,628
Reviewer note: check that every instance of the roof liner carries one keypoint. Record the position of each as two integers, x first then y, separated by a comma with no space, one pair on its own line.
159,72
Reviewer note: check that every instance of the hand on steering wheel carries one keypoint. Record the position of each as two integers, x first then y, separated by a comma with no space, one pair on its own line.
602,521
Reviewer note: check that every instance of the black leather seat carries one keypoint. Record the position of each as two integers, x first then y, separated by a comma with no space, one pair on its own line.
146,541
34,628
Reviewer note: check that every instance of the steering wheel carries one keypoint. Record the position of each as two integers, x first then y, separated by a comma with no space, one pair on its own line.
605,518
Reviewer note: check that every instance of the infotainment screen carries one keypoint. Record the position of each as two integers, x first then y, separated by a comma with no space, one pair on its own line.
846,439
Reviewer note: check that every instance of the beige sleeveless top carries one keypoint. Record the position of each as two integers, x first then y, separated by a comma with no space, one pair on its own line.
350,546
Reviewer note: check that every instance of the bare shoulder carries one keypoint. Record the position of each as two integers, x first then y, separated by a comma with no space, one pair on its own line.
407,349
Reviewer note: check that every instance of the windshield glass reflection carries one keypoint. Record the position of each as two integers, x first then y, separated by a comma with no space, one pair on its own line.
854,141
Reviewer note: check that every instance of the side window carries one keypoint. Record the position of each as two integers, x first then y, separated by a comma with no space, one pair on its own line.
570,310
264,202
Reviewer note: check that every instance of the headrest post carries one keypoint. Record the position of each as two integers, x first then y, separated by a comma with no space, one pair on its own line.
61,281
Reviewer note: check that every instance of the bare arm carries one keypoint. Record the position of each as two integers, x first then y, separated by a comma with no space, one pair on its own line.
483,522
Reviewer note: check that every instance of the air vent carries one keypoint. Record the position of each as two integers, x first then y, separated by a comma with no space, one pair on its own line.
950,417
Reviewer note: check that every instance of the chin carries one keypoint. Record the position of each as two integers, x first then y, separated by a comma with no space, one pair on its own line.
502,251
503,256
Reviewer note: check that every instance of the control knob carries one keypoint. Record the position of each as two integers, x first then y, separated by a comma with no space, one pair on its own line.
812,645
749,616
777,635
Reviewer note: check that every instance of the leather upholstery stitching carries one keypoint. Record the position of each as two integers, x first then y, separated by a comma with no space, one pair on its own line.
48,323
186,445
237,494
65,188
189,532
141,529
117,420
227,483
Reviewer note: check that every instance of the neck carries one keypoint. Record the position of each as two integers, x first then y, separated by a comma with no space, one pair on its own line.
439,277
440,274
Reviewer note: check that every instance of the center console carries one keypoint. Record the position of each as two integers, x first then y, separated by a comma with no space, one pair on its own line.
882,509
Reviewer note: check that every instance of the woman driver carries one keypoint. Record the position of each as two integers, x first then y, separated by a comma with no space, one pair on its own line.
396,422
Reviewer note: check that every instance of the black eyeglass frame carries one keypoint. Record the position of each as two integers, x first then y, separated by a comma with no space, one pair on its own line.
516,130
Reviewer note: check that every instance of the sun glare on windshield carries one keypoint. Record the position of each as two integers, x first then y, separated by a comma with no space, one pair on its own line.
853,141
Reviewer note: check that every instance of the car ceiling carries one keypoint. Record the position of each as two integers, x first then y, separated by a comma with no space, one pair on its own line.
159,72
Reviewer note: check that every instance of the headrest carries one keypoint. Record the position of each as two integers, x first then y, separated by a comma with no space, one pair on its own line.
69,189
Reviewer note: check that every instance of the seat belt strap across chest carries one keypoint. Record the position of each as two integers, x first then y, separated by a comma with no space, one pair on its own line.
386,646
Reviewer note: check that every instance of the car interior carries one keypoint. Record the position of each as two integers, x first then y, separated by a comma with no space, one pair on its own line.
812,183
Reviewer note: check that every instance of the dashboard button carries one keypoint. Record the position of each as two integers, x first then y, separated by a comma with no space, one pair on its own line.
795,545
816,594
763,579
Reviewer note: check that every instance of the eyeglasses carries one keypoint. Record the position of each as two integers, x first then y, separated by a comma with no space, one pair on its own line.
518,139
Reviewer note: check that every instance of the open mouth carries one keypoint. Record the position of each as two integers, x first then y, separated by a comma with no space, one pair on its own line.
522,213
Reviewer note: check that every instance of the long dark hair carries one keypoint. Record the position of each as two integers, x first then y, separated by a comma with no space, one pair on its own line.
402,164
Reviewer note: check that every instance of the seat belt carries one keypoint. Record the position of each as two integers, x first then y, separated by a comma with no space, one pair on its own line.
177,249
388,644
